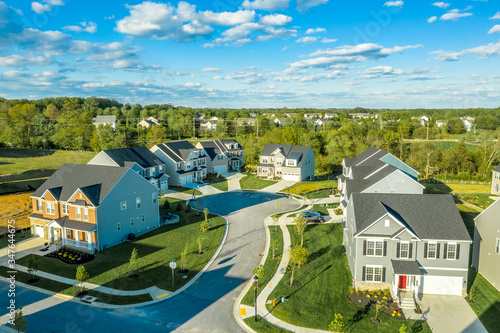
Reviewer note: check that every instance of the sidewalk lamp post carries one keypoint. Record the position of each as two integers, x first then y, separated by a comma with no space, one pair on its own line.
255,279
173,265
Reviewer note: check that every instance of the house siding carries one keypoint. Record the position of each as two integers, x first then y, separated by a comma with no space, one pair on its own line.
398,164
398,181
495,183
102,159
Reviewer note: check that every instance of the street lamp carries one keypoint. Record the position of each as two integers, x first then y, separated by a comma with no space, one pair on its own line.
256,280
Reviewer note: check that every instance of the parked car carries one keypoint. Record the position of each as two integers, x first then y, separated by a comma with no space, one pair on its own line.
311,216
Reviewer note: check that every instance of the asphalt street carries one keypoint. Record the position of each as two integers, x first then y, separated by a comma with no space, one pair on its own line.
206,306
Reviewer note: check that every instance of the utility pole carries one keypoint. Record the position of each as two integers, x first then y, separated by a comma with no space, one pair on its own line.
427,130
257,128
194,128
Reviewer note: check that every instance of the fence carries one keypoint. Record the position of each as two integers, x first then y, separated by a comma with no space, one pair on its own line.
451,181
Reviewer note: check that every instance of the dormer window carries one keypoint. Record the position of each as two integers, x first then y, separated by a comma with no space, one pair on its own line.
291,163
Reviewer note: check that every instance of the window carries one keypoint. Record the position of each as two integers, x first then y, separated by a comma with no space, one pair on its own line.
39,205
50,208
132,221
178,165
85,214
151,171
497,246
143,218
155,197
290,162
64,208
452,251
264,159
118,226
123,205
78,213
161,168
219,157
497,175
70,234
387,223
138,202
279,161
431,250
375,248
404,250
373,274
83,237
393,191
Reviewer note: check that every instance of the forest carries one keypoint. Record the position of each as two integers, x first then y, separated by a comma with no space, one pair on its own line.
66,123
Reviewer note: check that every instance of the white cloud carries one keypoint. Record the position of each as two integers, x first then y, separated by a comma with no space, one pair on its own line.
327,40
349,54
306,40
482,52
398,3
109,17
55,2
211,70
227,18
90,27
15,60
306,4
193,85
441,4
312,31
431,19
275,19
454,15
496,16
495,29
39,8
268,5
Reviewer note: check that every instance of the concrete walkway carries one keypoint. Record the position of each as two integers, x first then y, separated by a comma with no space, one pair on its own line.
279,186
233,181
22,249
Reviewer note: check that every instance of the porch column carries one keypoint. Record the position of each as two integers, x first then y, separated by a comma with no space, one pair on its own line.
77,238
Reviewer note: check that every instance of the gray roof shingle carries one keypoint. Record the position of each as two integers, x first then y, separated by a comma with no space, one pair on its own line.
429,216
497,169
286,150
140,155
178,151
409,267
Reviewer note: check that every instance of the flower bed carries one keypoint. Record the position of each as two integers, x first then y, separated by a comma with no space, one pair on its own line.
71,256
370,299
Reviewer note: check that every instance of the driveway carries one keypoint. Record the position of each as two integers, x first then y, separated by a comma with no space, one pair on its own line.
450,314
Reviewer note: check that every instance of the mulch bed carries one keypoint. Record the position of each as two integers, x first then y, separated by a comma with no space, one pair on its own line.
79,257
392,309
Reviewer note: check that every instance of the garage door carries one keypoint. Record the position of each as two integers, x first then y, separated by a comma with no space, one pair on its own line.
164,186
220,168
291,176
39,232
441,285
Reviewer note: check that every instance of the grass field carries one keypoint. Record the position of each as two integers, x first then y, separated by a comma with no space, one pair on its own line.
309,186
475,194
186,190
251,182
155,249
67,289
270,266
445,145
323,286
15,207
262,326
486,301
21,168
218,182
468,214
19,237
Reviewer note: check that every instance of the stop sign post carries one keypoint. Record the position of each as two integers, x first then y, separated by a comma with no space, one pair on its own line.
173,265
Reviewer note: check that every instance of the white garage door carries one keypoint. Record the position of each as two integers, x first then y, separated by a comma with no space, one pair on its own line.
291,176
39,231
220,168
441,285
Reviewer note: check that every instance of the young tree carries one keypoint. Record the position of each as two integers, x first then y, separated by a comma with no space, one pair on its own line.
275,245
200,241
198,208
275,218
81,276
378,306
132,264
300,227
402,329
337,324
33,265
19,320
185,257
205,212
259,271
298,258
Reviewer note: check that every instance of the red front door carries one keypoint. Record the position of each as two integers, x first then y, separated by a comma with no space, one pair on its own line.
402,282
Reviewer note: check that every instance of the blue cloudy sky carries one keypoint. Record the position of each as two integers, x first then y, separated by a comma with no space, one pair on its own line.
254,53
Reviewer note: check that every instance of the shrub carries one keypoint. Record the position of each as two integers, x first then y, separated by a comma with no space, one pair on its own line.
166,204
179,206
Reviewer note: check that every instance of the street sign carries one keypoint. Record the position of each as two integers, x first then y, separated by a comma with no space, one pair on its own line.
173,265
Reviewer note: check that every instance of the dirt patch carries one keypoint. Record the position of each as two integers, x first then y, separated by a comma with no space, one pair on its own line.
15,207
370,300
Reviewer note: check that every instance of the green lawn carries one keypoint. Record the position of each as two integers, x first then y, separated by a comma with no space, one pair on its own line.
262,326
468,214
20,236
323,286
22,168
155,249
320,209
67,289
186,190
311,185
270,266
486,301
482,200
217,181
251,182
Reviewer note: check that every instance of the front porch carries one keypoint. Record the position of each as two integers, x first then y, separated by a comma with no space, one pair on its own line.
406,283
265,171
81,238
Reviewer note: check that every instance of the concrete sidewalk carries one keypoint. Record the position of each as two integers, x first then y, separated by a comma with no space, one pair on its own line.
233,181
279,186
23,249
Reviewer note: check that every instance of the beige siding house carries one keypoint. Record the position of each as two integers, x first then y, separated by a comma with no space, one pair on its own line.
495,181
287,162
222,155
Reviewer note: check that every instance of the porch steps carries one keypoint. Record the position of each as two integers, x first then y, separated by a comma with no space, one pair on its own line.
406,301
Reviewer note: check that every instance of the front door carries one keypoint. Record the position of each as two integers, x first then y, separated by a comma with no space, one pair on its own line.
402,282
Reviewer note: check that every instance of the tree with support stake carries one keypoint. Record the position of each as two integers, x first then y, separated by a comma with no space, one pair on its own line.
173,266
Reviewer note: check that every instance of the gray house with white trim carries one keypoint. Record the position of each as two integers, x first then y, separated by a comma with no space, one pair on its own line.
222,155
376,171
140,159
288,162
486,252
409,243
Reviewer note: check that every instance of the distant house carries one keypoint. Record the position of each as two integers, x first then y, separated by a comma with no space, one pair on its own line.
440,123
282,121
468,123
253,115
312,115
362,115
148,122
139,159
208,125
422,120
105,120
93,207
246,121
330,115
495,181
322,122
486,250
411,244
288,162
184,163
222,155
376,171
291,115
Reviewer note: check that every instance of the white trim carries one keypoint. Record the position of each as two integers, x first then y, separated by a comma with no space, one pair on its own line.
374,172
103,152
495,202
395,219
403,230
446,269
375,240
448,250
370,157
79,189
381,273
418,173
